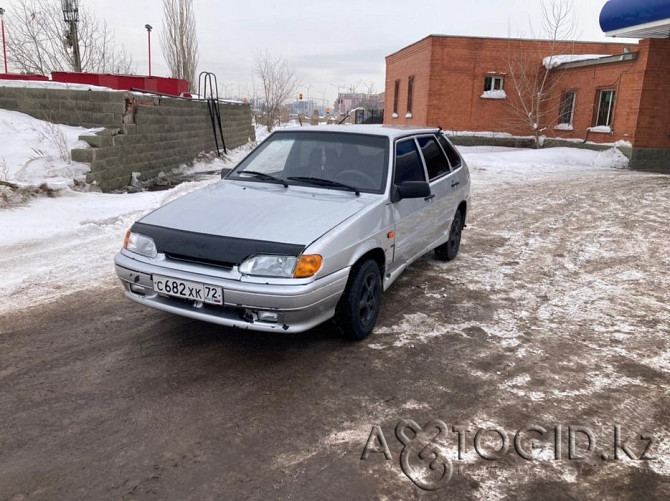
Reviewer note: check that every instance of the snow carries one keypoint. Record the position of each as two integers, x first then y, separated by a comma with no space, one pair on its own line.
499,165
611,158
48,84
604,129
554,61
494,94
563,127
35,152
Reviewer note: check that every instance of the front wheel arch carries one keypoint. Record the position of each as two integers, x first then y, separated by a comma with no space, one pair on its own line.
365,271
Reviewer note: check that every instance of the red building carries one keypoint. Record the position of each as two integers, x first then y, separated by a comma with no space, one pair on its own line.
599,92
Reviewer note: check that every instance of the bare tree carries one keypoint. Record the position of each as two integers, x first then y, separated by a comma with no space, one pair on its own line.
36,41
179,39
531,70
278,82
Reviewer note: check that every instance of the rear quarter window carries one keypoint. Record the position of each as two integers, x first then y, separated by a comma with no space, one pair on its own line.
452,154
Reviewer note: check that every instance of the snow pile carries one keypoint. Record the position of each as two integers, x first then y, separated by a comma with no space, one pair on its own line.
552,62
35,152
611,158
499,165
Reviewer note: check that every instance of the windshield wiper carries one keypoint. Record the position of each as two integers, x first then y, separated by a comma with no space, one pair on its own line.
317,181
264,177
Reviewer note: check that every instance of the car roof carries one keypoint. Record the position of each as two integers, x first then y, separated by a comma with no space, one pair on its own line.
390,131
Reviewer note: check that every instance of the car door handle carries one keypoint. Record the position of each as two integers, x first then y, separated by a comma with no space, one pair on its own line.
429,197
454,184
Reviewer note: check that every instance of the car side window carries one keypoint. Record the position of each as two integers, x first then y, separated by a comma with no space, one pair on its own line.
436,162
408,166
452,154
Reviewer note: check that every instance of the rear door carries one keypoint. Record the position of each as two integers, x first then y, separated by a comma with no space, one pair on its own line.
440,178
413,232
459,179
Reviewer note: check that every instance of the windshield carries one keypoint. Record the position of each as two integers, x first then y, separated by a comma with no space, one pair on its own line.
323,159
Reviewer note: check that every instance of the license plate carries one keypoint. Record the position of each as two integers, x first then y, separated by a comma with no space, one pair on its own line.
186,289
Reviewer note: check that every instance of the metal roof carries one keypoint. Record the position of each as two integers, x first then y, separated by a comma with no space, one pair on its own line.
636,18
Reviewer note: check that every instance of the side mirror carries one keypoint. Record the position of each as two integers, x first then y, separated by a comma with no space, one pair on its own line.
410,189
225,171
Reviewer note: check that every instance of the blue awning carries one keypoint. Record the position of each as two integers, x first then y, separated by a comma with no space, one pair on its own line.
636,18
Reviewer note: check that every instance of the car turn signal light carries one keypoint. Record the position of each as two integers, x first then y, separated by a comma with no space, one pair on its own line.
308,266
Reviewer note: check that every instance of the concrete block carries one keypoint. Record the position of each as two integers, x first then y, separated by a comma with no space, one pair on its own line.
86,156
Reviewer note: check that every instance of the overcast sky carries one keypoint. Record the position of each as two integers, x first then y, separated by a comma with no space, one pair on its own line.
342,42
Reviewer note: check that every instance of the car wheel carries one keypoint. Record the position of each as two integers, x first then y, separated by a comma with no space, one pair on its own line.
448,250
359,307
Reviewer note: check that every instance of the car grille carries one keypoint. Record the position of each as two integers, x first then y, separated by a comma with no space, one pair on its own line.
196,260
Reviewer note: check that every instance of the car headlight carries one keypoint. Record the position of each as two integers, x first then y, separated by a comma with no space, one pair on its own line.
282,266
140,244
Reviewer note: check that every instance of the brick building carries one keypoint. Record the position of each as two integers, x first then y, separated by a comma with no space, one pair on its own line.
600,92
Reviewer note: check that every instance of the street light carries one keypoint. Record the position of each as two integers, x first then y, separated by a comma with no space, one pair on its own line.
149,28
70,10
4,45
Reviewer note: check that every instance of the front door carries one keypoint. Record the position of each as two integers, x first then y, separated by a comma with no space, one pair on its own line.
413,227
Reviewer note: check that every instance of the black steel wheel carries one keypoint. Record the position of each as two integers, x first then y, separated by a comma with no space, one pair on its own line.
359,307
449,250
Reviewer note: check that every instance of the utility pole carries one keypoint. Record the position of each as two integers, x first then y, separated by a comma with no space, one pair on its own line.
71,17
149,28
4,43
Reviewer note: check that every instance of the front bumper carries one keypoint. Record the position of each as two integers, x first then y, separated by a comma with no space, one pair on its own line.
298,307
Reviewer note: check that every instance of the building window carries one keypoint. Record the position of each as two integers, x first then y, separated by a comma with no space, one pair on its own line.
410,96
605,108
493,83
567,110
396,93
493,88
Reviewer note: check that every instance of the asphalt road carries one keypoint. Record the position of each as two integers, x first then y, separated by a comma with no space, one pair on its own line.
554,316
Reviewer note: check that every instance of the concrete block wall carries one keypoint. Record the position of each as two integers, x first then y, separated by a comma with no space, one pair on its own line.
71,107
145,134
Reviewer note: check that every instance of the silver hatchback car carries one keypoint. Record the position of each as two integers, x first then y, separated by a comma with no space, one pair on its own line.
313,224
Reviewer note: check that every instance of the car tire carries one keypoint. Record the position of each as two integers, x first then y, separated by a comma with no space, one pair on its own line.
449,249
359,306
